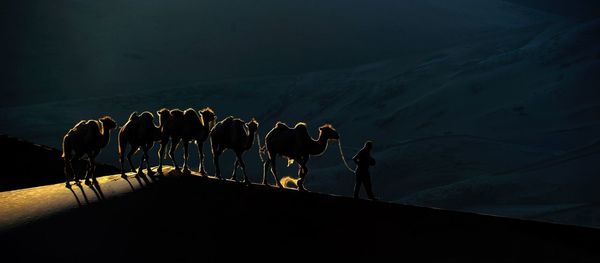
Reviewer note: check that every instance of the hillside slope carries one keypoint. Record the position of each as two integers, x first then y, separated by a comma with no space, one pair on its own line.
197,219
28,165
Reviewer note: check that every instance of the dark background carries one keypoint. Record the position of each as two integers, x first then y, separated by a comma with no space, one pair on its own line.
476,105
79,48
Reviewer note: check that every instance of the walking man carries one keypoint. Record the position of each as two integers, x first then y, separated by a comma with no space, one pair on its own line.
363,160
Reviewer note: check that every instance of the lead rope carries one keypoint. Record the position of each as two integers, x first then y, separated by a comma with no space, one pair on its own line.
260,148
344,158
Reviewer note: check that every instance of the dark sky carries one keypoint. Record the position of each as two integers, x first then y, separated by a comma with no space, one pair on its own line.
60,49
583,9
68,48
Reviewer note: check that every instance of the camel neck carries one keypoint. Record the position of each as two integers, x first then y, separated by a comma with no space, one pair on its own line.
162,119
204,124
319,146
250,139
105,136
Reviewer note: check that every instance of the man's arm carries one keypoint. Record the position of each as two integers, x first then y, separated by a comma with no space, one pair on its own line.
356,157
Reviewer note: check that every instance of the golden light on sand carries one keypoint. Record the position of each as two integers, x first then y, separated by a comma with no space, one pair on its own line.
289,182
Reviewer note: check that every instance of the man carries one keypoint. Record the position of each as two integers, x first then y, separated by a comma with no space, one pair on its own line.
363,160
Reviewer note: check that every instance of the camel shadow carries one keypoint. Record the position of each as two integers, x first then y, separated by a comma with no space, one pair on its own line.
154,177
128,182
87,201
97,190
76,197
145,179
142,180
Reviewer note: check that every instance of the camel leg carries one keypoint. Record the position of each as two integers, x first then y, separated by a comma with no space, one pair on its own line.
129,154
93,168
174,144
265,171
68,171
88,172
201,156
216,155
233,174
274,171
122,161
243,165
161,155
146,156
139,170
266,167
186,156
73,160
302,172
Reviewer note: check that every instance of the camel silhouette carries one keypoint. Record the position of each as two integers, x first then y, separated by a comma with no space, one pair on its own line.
184,126
232,133
296,145
139,132
86,138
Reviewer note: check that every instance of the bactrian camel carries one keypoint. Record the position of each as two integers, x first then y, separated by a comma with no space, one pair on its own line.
86,138
296,145
139,132
232,133
184,126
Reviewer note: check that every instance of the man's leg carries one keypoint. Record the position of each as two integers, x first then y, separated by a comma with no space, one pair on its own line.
357,185
367,183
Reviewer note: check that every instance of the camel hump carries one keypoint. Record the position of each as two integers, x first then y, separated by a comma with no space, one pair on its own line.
301,129
163,111
228,119
281,125
238,121
177,112
191,114
87,127
83,126
134,116
189,111
79,125
301,125
147,115
239,125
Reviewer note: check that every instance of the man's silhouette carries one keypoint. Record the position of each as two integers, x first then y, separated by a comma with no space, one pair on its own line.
363,160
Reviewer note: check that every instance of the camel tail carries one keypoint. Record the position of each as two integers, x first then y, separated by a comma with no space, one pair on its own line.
122,143
66,146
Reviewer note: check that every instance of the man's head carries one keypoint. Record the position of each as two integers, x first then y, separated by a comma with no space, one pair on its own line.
369,145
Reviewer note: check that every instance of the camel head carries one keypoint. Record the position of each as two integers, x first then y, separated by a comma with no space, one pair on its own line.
328,132
208,116
163,115
108,122
252,125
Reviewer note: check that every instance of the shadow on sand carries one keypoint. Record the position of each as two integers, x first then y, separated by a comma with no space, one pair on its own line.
76,197
87,201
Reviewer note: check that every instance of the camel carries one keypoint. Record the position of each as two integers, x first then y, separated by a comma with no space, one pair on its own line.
296,145
184,126
139,132
86,138
232,133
